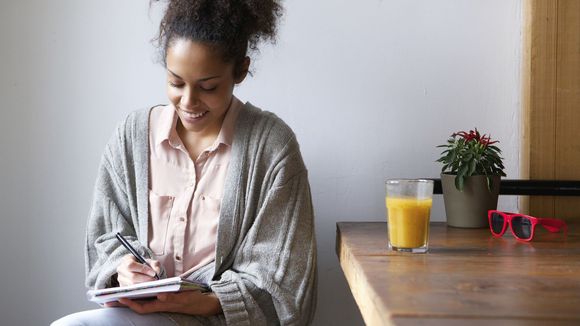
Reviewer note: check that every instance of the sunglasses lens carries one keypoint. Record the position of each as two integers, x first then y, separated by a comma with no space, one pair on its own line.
522,227
496,223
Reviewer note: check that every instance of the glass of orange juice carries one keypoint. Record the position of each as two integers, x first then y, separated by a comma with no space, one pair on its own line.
408,209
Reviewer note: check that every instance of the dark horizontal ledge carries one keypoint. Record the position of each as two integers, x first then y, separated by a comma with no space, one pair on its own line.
530,187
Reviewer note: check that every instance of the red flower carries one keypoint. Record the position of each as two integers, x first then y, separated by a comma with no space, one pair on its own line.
485,140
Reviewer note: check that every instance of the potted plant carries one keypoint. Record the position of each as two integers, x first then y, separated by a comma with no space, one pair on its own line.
470,178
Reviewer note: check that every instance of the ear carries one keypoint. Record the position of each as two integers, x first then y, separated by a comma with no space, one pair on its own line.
242,71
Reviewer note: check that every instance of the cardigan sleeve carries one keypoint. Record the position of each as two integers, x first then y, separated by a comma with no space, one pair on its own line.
103,251
273,277
110,213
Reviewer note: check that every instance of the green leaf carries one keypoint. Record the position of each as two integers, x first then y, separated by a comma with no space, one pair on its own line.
459,179
489,183
494,158
459,182
471,170
463,170
453,156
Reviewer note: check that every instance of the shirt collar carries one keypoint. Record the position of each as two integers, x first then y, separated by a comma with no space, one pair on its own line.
226,135
166,127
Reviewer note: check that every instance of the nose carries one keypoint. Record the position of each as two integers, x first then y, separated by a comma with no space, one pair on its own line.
189,100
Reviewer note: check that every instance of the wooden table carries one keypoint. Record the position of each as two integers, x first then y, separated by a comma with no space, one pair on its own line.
467,277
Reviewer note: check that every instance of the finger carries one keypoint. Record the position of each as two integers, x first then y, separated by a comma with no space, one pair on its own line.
124,280
172,297
144,307
113,304
130,304
134,267
155,264
128,277
182,298
123,276
162,297
134,278
139,268
122,268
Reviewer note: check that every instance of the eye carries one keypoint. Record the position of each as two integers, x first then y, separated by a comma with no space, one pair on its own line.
172,84
208,89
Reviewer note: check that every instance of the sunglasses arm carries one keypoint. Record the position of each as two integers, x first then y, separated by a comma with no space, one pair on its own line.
552,224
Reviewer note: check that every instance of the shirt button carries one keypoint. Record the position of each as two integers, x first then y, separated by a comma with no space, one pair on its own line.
202,197
177,257
182,219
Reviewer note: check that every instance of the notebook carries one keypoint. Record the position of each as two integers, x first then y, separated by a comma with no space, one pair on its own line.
145,289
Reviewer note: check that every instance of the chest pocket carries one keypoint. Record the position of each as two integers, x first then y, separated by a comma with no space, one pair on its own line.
159,213
210,206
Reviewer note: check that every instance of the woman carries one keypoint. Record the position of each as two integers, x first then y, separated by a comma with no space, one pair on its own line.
206,187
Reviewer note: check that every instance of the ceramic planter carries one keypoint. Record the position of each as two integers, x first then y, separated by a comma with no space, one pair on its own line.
468,208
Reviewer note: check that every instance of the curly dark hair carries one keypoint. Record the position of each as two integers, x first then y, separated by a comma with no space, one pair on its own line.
230,26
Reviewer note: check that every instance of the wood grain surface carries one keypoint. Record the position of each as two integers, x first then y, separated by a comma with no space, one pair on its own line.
550,97
467,277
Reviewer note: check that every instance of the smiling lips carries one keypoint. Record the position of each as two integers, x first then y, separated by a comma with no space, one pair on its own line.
192,116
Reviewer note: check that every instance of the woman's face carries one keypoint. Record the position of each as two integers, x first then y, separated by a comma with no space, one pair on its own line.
200,86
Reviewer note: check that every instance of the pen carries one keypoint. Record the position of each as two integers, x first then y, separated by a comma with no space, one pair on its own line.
134,252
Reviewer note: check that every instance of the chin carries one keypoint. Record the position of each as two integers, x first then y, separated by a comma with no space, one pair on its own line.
192,127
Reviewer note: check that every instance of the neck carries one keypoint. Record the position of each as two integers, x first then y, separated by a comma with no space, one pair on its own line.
196,142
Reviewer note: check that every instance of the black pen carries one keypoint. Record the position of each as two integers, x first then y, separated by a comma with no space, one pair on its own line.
134,252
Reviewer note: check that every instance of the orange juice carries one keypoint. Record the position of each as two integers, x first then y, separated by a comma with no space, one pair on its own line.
408,220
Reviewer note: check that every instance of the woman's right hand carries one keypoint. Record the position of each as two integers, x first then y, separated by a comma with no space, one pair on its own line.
131,271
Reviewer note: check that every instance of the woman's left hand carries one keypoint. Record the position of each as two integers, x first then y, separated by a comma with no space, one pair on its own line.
187,302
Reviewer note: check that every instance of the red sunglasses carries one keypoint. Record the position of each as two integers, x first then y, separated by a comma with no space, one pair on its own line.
522,226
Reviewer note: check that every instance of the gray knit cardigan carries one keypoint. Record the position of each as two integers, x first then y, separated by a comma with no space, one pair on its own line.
265,267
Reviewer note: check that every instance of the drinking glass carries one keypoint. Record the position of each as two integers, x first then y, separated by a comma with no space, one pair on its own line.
409,204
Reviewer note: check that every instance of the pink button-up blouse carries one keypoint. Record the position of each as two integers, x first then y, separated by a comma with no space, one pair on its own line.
185,195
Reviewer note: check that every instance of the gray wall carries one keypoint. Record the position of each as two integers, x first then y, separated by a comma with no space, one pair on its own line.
370,88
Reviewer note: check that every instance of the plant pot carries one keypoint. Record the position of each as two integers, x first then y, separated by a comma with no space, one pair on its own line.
468,208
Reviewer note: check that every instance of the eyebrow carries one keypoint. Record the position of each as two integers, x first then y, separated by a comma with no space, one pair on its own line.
199,80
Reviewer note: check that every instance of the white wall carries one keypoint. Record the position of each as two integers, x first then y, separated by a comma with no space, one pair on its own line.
370,88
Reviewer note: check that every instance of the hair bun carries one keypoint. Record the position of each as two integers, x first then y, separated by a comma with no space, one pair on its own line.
232,25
